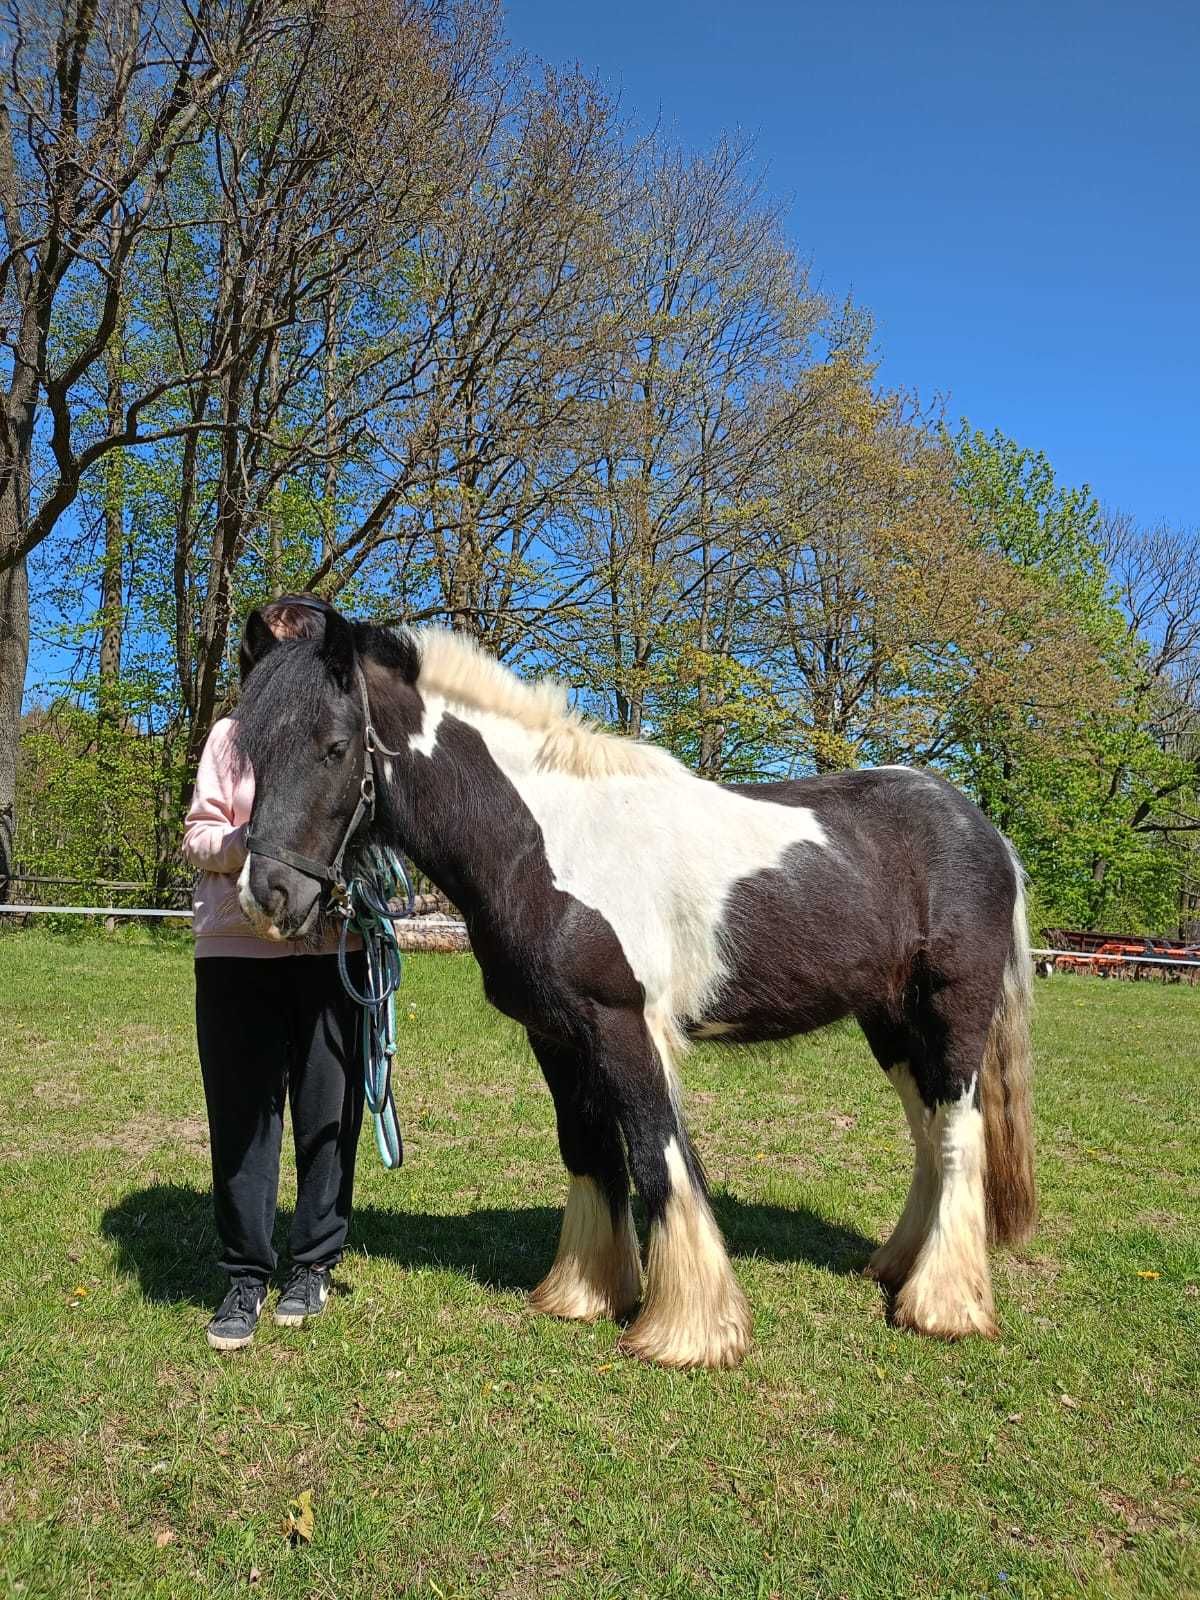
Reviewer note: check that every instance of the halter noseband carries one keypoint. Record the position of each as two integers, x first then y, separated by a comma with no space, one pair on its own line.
332,874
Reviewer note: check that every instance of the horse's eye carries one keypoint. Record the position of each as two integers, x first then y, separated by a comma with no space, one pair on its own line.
336,751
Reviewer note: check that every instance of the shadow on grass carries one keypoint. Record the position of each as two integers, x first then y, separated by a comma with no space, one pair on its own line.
165,1238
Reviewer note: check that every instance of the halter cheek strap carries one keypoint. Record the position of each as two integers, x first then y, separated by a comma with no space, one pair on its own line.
310,867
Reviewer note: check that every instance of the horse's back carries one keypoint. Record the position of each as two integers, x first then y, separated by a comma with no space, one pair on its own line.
908,874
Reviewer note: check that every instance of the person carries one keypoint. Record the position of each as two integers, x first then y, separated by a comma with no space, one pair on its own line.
273,1021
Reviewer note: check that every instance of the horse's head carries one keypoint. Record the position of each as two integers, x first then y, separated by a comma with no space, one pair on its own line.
301,726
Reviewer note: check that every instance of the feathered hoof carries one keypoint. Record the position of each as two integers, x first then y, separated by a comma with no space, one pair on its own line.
718,1345
576,1298
889,1268
944,1315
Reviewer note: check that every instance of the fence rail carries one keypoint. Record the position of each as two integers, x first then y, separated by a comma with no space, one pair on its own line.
92,911
427,930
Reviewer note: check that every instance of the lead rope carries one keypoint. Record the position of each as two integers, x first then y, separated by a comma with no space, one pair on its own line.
380,880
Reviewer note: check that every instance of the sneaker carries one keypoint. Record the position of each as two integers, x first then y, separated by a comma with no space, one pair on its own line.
235,1321
304,1296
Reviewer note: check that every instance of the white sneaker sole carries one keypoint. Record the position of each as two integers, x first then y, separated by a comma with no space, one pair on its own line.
219,1342
289,1319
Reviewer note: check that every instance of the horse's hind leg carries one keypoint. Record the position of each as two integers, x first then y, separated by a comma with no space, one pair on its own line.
948,1289
694,1313
597,1271
893,1261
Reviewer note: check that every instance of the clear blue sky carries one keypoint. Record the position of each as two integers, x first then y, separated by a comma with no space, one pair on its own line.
1013,189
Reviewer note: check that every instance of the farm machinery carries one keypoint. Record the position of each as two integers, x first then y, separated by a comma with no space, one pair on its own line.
1118,955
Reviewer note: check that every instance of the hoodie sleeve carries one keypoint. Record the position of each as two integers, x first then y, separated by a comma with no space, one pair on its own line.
211,839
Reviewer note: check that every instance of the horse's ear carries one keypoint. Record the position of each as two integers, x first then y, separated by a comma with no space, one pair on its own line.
337,650
257,640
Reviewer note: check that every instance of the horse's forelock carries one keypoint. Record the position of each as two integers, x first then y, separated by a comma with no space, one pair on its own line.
282,701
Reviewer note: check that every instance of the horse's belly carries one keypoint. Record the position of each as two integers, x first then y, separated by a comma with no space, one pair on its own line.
735,1021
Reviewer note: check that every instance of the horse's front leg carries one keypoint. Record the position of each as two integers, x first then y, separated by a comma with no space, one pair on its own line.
597,1271
693,1313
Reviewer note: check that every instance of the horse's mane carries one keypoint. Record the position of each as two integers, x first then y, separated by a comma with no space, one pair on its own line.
453,666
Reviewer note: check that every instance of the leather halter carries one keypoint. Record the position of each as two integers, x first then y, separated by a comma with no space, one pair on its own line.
332,874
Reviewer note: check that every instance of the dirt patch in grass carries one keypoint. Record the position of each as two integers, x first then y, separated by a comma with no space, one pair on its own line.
1136,1518
138,1137
59,1092
151,1132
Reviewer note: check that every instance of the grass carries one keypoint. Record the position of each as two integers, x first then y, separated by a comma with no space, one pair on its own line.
456,1445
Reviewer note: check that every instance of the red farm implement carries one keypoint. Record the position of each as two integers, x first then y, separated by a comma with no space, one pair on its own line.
1117,955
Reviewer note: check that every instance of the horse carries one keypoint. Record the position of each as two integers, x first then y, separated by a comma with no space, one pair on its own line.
620,906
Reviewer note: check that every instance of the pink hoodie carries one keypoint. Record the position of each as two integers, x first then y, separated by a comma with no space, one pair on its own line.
214,840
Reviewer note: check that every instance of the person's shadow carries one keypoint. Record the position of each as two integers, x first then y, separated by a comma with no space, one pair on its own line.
165,1238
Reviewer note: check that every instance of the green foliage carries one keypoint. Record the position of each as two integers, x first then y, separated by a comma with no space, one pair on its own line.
1070,795
89,805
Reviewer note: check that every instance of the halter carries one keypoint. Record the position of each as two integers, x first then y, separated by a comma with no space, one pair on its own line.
332,875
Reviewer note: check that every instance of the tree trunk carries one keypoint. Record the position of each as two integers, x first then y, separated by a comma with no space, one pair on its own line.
110,713
14,659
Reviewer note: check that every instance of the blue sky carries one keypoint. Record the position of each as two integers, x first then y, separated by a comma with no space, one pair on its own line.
1013,190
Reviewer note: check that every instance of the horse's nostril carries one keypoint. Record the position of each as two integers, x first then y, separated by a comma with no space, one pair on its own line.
277,906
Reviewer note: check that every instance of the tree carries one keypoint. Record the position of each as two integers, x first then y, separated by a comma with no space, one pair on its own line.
99,102
712,308
1088,797
184,192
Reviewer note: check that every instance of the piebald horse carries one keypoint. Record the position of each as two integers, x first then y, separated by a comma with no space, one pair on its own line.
619,906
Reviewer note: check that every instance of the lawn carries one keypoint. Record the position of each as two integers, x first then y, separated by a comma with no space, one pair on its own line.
454,1444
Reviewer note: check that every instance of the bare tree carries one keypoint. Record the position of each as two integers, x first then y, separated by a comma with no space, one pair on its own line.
310,208
1157,576
712,306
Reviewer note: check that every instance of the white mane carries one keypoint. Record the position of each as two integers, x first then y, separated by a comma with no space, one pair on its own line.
454,666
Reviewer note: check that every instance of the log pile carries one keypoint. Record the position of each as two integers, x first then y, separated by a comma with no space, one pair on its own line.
434,925
437,932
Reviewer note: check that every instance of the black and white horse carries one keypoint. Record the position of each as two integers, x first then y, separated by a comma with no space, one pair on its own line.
619,906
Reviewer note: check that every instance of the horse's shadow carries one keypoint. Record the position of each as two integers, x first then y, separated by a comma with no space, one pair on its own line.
164,1237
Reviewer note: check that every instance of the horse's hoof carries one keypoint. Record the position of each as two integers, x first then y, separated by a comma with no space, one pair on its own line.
574,1298
720,1346
944,1316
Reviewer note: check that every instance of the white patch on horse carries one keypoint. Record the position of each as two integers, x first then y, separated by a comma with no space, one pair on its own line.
669,1043
246,900
694,843
949,1291
713,1030
597,1271
423,743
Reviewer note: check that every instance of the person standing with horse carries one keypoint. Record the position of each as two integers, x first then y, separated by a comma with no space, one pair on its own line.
273,1022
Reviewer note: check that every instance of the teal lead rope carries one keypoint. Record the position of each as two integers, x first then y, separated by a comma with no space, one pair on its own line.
380,880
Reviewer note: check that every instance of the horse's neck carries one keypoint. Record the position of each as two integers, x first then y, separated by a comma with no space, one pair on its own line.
457,807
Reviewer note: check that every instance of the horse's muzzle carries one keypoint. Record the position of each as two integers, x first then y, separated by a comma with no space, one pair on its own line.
280,902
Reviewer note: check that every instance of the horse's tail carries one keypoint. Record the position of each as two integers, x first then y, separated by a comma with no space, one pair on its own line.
1005,1087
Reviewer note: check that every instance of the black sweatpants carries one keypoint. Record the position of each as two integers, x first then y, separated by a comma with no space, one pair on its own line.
267,1029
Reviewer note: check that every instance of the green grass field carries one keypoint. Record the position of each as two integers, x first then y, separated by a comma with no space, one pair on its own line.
454,1444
